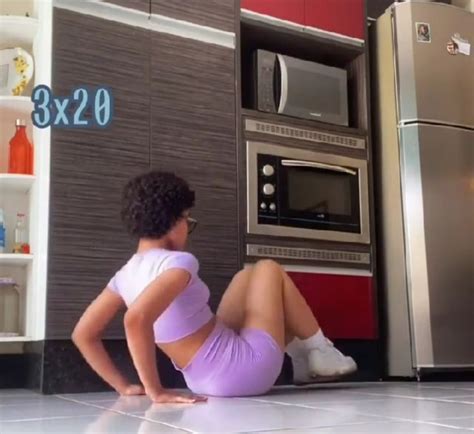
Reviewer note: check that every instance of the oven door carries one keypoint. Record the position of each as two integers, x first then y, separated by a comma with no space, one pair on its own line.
319,196
315,195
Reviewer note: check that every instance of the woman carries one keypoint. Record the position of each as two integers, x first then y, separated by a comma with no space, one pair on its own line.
237,352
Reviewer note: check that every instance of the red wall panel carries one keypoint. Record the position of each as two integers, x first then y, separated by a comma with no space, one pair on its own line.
290,10
346,17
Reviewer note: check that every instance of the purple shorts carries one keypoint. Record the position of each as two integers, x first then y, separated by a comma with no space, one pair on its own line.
232,364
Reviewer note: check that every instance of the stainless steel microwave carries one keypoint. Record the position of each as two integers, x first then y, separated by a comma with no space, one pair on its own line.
305,194
299,88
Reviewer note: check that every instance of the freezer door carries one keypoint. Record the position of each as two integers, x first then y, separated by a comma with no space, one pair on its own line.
438,200
433,85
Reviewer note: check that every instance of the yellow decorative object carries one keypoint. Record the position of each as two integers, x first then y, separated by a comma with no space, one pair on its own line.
16,71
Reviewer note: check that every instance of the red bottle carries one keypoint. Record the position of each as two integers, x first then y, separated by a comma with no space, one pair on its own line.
21,151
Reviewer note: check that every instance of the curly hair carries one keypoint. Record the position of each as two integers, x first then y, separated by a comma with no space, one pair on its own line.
153,202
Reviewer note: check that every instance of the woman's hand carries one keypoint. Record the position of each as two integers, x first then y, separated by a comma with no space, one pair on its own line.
164,396
133,390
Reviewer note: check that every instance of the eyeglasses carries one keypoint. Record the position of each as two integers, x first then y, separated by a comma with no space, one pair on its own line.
192,223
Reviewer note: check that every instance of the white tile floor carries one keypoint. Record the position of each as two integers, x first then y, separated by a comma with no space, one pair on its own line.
337,408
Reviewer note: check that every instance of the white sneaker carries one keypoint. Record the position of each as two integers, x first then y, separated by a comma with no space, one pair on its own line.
328,361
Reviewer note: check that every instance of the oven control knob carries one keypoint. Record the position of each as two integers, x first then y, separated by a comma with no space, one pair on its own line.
268,189
263,206
273,207
268,170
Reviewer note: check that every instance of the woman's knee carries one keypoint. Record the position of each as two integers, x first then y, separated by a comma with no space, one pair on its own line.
269,264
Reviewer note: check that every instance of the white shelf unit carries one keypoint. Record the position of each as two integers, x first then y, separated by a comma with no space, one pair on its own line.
10,36
6,339
21,105
16,183
15,259
27,193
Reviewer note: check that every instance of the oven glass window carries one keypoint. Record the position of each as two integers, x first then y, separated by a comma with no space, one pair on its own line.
319,198
320,192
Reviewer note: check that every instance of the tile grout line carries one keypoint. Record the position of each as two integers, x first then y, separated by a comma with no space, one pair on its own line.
312,407
387,418
124,413
383,396
445,425
457,417
35,419
320,427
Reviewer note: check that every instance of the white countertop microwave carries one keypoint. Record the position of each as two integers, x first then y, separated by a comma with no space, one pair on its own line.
299,88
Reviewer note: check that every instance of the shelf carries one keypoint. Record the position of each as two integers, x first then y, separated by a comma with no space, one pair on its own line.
17,31
303,123
21,105
16,183
15,259
15,339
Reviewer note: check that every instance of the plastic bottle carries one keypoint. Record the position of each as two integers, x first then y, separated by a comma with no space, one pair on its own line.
3,240
21,235
21,151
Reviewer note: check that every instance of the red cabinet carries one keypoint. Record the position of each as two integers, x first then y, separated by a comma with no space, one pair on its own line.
346,17
290,10
344,305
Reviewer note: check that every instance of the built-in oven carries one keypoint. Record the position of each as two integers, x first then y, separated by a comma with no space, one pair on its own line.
306,194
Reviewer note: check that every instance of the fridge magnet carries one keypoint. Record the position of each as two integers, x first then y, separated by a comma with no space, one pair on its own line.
458,45
423,32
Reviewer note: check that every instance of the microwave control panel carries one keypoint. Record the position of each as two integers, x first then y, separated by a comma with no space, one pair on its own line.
265,81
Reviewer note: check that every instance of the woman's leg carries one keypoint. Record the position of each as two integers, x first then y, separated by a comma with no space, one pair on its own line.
233,309
275,305
265,297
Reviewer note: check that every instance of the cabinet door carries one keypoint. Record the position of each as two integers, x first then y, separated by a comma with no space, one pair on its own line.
193,133
220,14
87,243
344,305
346,17
290,10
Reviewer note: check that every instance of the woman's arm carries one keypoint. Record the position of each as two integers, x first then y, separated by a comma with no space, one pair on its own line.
87,336
139,321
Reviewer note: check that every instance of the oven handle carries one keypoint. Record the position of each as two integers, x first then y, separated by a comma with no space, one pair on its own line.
301,163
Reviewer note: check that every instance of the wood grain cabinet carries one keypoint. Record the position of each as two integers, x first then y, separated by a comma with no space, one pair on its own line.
193,132
219,14
89,166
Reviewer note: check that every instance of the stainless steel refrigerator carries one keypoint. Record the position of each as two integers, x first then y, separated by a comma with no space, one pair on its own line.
423,75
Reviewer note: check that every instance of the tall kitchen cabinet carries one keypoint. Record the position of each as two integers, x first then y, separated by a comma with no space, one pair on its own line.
337,277
172,75
192,132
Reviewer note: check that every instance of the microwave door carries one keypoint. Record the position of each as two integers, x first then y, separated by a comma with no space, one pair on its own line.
300,163
310,90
